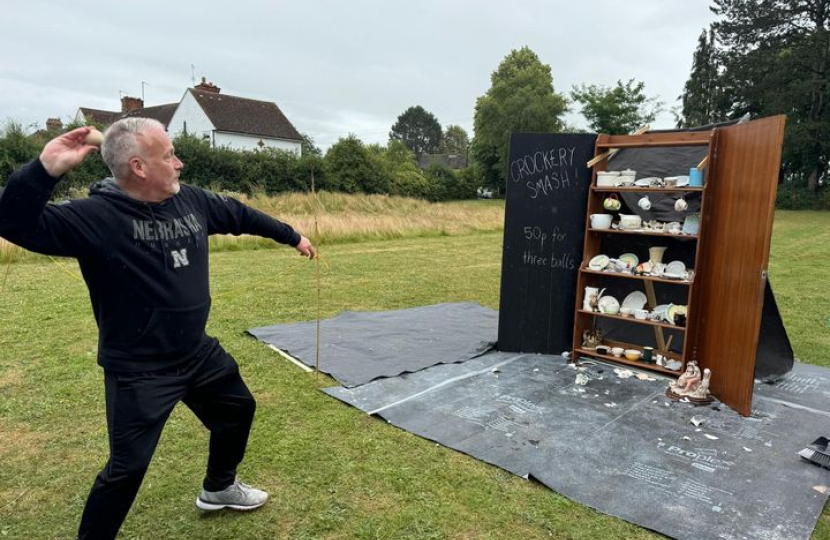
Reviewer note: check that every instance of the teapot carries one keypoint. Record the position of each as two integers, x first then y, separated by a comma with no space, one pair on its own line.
612,203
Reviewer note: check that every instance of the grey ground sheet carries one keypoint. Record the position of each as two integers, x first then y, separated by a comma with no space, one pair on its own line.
357,347
617,445
622,447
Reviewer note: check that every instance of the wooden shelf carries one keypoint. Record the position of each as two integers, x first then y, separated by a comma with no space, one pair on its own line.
645,233
586,270
691,138
621,189
631,319
626,361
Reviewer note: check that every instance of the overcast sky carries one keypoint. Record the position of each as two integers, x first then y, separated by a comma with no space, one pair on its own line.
334,68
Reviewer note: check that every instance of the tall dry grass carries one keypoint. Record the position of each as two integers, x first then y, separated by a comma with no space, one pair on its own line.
350,218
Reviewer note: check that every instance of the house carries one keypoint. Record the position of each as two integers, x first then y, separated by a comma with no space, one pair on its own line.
226,121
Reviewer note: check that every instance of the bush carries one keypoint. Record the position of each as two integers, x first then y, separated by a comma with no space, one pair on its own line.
352,168
792,196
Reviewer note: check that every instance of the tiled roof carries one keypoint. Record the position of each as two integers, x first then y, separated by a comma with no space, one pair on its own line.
243,115
162,113
99,116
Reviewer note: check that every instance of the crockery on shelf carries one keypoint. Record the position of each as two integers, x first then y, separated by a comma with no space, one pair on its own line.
612,203
633,354
607,178
630,222
608,305
600,262
634,301
630,259
691,225
601,221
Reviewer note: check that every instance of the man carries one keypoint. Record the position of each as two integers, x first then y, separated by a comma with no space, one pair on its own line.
141,240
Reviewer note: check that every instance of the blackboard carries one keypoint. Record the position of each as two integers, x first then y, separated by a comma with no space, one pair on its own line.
544,228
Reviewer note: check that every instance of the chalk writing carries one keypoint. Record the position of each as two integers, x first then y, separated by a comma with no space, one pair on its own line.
541,162
536,233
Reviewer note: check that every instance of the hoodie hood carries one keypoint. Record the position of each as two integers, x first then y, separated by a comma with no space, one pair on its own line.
109,187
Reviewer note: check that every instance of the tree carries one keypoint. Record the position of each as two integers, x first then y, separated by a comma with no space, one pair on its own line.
309,148
418,129
703,96
455,140
776,59
520,98
618,110
351,167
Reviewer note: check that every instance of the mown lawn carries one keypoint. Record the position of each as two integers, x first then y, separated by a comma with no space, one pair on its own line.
333,472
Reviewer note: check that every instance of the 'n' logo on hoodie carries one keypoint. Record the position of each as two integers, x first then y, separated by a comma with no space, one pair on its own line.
180,258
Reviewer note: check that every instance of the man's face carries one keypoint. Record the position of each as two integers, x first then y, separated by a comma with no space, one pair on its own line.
160,165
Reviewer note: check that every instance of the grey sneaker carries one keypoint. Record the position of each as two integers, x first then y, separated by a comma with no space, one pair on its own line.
237,496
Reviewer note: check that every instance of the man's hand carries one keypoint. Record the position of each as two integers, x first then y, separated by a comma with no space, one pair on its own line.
65,152
305,248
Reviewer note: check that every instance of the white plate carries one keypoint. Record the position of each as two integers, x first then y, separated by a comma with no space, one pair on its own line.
671,275
635,301
643,182
609,304
629,258
600,262
675,267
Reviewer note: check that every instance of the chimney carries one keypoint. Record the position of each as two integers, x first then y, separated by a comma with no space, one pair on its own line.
206,86
54,124
129,103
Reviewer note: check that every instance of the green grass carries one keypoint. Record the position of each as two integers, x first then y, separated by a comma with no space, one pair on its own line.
334,473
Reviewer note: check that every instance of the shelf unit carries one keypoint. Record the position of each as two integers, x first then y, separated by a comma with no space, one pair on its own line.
594,240
731,253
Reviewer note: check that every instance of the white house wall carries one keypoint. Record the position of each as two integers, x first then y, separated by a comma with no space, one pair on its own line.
239,141
189,115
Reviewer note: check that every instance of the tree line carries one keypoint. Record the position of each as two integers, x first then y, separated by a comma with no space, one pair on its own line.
349,166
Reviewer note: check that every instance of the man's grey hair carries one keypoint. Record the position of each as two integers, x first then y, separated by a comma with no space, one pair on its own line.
121,142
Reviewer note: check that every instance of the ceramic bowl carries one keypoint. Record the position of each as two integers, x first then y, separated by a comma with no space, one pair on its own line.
607,178
617,351
629,221
633,354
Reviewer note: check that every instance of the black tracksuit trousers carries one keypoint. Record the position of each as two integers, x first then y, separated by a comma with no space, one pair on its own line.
138,405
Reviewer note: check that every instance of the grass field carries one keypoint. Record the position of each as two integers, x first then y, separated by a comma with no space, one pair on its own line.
334,473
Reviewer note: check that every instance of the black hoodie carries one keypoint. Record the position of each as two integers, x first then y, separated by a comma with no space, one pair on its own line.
145,264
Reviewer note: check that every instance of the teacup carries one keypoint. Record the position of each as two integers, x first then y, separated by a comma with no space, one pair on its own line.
644,203
617,351
680,205
612,203
641,314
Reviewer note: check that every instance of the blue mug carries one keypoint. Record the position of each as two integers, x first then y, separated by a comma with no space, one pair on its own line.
695,177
